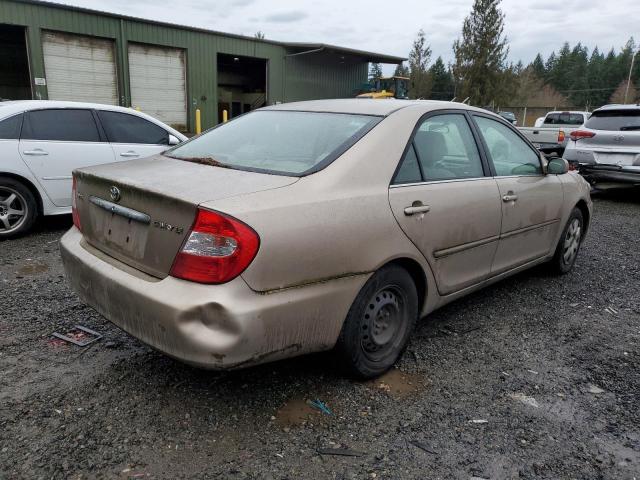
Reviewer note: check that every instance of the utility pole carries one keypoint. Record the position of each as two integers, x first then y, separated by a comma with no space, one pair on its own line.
626,92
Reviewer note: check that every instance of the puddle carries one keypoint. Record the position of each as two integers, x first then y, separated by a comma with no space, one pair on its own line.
32,269
296,412
398,384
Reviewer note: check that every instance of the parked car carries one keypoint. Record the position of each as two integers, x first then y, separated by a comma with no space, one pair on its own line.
41,142
299,227
553,135
607,148
509,117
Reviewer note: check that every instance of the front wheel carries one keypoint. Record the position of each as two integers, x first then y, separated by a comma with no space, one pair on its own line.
569,243
378,325
18,208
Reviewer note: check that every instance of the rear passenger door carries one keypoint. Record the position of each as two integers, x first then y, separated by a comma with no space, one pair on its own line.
446,202
132,136
54,142
531,201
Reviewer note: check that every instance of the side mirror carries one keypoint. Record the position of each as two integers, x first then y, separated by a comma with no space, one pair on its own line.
173,140
557,166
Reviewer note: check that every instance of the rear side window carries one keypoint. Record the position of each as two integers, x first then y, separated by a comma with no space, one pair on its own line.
10,128
124,128
446,148
443,148
279,142
409,171
615,120
564,119
61,125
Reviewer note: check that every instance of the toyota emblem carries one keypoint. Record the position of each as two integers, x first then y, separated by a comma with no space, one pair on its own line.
115,193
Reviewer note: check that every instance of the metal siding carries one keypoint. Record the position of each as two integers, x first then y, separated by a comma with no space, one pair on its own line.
307,77
322,75
80,68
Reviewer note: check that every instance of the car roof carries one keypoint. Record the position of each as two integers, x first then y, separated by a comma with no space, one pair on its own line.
366,106
11,107
569,111
618,106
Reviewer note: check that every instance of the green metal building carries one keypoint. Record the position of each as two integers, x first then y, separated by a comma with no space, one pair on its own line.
58,52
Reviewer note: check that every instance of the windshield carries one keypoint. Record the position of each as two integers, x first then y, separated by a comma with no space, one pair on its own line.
280,142
615,120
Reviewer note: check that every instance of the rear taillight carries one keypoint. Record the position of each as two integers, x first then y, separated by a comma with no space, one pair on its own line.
217,249
561,136
578,134
74,204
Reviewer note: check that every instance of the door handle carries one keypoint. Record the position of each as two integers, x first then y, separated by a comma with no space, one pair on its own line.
510,197
36,152
417,207
129,154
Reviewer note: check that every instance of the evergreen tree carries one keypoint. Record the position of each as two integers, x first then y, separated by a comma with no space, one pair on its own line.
401,70
375,71
580,93
480,54
596,78
538,67
419,56
442,81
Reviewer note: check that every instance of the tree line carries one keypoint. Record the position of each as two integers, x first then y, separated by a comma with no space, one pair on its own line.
481,74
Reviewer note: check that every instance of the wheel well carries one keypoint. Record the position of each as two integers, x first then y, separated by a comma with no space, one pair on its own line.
582,206
32,188
418,276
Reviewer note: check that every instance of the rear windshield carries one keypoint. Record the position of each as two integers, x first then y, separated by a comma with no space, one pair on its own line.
564,119
280,142
615,120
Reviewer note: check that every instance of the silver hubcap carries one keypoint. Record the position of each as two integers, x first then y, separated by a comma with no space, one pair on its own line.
13,210
382,321
572,241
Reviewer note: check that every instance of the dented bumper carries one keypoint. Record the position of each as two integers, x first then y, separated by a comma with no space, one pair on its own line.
211,326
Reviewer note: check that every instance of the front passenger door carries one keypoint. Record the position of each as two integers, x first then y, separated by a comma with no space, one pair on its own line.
445,203
531,200
132,136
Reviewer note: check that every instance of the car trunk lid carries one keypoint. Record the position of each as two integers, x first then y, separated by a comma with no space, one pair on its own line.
140,212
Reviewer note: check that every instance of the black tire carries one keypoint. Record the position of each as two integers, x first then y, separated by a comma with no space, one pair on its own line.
569,244
18,208
377,328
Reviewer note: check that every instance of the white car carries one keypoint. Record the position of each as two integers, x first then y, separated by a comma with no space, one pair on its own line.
42,142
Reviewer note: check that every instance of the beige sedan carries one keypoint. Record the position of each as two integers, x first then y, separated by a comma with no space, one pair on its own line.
317,225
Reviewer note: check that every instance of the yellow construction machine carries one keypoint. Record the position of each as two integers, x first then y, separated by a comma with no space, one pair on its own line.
387,87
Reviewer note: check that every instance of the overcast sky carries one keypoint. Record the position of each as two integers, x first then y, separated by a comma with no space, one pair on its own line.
390,26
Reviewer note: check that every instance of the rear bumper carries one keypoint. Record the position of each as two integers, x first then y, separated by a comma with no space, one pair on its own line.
610,173
211,326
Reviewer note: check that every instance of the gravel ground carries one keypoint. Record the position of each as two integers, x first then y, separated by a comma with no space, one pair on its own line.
535,377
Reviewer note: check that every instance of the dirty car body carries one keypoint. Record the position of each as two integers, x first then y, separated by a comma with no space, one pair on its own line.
256,240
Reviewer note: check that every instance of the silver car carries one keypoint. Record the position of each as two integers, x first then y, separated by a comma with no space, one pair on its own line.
607,148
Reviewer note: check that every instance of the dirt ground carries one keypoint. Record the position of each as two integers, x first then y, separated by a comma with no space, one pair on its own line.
535,377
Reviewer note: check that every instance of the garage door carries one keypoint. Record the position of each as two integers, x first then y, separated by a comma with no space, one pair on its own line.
158,85
80,68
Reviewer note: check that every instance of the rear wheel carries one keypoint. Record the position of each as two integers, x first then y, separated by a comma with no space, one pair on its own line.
378,325
18,208
569,243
